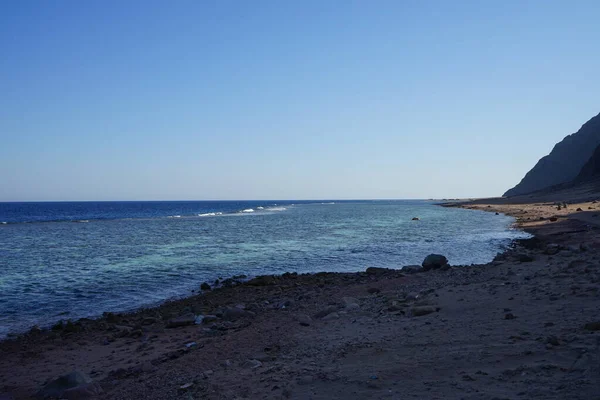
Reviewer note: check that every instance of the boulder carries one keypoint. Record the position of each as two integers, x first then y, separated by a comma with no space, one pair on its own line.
412,269
182,320
58,387
434,261
415,219
205,286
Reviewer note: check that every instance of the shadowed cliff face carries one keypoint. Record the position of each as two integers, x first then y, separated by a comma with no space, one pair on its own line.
564,162
591,169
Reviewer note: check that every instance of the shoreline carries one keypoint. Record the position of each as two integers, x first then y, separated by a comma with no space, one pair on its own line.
224,282
253,328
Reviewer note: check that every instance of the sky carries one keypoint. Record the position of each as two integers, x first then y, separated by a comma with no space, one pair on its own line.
194,100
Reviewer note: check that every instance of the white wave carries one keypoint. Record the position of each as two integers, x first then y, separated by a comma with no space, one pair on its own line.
211,214
276,209
174,216
4,223
82,221
329,203
260,208
248,210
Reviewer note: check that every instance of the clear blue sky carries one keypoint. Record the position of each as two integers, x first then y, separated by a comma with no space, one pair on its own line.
134,100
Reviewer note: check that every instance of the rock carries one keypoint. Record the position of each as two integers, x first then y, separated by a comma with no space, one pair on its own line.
304,320
331,316
415,219
412,269
150,321
434,261
209,318
86,391
422,310
251,364
199,319
524,258
234,313
346,301
579,209
373,290
552,249
553,340
185,387
592,326
205,286
553,219
377,270
509,316
325,312
183,320
264,280
497,213
59,386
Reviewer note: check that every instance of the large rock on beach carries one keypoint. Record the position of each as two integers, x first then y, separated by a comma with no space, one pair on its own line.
434,261
412,269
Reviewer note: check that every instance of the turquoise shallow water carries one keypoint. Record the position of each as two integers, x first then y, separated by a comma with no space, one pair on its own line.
135,254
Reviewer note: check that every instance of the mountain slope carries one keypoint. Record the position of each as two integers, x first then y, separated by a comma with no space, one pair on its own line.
564,162
591,169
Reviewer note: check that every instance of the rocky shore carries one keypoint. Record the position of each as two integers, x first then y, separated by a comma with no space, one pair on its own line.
525,326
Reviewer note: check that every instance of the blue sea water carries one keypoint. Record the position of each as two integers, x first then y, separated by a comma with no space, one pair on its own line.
72,260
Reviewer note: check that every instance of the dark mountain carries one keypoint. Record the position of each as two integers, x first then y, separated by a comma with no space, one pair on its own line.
591,169
564,162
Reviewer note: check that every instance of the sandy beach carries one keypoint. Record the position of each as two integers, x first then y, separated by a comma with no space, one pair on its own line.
525,326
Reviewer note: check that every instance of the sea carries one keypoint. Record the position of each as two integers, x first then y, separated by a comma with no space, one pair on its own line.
68,260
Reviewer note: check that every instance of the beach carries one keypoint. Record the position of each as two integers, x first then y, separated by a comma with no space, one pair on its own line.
524,326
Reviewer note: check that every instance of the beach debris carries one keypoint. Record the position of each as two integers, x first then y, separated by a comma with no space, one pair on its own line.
183,320
434,261
205,287
304,320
